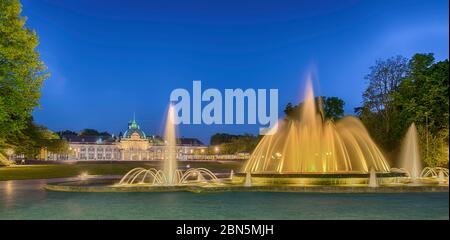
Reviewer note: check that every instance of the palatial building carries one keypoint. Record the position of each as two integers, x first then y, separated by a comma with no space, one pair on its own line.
133,144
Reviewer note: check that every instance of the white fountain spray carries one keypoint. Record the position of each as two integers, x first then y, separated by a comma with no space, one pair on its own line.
410,156
169,175
170,162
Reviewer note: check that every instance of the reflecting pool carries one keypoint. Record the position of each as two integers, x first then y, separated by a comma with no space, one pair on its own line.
26,200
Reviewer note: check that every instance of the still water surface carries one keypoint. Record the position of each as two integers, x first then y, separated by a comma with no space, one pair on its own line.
26,200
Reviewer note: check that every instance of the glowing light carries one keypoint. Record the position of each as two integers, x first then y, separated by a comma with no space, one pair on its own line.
83,176
410,156
311,144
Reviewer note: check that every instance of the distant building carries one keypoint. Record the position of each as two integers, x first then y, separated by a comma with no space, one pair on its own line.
132,145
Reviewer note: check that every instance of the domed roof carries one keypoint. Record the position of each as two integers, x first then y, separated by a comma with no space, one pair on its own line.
133,127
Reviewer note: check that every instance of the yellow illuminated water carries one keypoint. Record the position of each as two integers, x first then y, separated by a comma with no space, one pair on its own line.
410,156
314,145
170,163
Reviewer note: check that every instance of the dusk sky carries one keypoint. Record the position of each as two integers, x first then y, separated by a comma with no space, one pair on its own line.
109,58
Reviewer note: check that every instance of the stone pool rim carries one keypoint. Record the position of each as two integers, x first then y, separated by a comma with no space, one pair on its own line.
77,186
322,175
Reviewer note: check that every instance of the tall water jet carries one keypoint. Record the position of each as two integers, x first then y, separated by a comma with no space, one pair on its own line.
410,156
170,162
169,175
311,144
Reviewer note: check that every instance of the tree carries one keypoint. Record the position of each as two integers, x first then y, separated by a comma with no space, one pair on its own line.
231,144
423,99
93,132
384,80
21,71
66,133
379,111
32,139
401,92
220,138
331,108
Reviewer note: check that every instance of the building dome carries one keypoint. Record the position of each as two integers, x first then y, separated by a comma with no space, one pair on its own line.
133,127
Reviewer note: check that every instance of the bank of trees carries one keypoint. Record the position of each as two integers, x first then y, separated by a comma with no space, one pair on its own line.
224,143
21,76
402,91
34,138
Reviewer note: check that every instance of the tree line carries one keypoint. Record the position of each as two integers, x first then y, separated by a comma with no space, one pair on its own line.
21,76
401,91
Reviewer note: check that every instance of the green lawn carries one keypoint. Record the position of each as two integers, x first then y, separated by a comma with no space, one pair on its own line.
71,170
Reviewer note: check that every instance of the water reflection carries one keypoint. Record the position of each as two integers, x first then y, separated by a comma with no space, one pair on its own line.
26,199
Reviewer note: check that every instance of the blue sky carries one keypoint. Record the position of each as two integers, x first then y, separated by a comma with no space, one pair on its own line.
108,59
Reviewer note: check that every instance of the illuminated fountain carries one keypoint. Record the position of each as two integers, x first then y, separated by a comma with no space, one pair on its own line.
314,145
438,174
311,146
411,164
410,156
169,175
170,162
155,177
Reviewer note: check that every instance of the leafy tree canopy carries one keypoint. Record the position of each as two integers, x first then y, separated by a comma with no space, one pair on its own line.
32,139
231,144
402,91
21,73
93,132
329,107
21,70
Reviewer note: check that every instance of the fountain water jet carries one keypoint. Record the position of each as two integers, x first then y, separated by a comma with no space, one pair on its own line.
410,156
169,175
170,163
311,144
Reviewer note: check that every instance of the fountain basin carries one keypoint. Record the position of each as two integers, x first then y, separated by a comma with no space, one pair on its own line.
313,179
109,185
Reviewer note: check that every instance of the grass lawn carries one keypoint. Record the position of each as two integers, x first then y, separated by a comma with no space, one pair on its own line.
71,170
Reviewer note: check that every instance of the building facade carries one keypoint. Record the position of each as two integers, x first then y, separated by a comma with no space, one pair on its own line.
133,144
